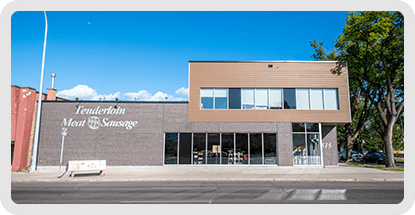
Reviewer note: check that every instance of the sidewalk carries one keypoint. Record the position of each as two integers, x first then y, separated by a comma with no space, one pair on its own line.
214,173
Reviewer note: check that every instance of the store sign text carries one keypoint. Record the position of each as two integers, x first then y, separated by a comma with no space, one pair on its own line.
94,122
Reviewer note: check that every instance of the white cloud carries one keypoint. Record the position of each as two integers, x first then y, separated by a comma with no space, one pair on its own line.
183,91
83,92
142,95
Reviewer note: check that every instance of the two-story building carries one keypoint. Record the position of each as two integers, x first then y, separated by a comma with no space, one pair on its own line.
239,113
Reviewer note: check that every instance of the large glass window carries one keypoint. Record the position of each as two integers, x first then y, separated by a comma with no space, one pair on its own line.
299,149
313,146
275,98
261,98
227,148
316,97
241,153
199,148
248,101
270,149
302,99
206,97
330,99
306,144
234,98
213,153
170,148
255,148
289,98
221,98
185,148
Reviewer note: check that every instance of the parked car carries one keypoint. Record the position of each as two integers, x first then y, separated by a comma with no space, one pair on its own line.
357,156
375,157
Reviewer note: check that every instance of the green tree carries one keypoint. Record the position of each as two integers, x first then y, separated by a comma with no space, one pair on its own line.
359,104
372,43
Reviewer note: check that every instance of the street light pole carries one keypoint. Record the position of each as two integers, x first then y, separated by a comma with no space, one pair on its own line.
33,166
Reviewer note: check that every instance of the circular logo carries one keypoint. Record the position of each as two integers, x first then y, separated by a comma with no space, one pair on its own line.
93,122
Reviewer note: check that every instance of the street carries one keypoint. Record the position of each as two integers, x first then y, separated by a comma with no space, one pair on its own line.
207,192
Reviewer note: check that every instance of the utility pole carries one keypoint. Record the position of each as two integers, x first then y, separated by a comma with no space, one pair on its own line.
33,166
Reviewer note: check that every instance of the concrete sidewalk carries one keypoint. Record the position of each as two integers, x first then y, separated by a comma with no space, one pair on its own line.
214,173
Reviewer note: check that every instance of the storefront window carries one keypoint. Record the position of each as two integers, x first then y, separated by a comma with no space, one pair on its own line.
199,148
170,148
255,148
306,144
227,148
185,149
270,149
241,153
213,153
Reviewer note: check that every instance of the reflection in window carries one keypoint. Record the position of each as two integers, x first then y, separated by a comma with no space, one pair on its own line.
306,144
248,101
185,150
270,149
234,98
221,98
241,154
170,148
313,147
289,98
255,148
206,98
299,149
213,153
227,149
199,148
312,127
298,127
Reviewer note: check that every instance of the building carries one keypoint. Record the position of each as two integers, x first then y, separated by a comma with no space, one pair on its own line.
239,113
23,116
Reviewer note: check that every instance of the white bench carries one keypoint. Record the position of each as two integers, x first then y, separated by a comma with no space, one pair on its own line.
87,165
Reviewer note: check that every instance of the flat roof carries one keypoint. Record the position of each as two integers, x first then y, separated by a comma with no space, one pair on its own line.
263,61
94,101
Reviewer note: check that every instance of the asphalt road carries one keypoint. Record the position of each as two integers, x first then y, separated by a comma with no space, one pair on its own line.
211,192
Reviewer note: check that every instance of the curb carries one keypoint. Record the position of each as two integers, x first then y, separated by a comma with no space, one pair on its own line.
196,179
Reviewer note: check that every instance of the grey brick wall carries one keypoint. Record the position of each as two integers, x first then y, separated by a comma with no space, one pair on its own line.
330,154
143,144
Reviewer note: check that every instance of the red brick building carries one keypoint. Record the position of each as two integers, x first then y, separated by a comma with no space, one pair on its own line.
23,116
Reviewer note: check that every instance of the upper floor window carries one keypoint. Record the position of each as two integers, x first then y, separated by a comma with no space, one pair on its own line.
211,98
263,98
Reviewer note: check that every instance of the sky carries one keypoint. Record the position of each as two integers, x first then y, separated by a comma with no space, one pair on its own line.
145,55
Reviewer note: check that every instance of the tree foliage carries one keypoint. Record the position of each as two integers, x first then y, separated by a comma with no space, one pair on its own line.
372,43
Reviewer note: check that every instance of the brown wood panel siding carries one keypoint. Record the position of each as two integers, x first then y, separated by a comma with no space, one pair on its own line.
258,75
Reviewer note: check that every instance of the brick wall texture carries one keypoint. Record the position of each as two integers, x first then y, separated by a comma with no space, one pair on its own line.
142,145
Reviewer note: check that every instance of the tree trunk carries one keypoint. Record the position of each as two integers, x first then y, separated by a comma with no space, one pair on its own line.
349,142
387,142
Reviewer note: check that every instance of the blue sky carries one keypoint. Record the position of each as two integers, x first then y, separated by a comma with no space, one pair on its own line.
145,54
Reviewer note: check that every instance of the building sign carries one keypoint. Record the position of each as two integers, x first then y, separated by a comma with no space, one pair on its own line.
95,122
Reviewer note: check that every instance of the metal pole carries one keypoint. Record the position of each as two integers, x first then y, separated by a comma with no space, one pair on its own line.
33,166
